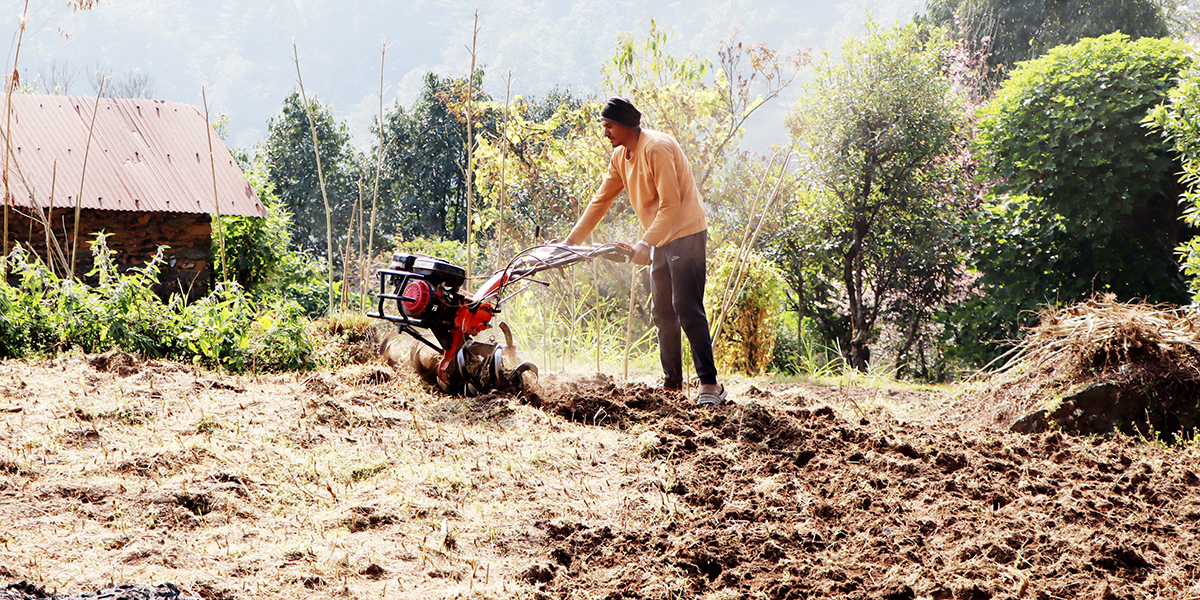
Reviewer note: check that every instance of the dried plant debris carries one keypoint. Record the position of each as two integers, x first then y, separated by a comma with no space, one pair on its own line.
585,489
1100,366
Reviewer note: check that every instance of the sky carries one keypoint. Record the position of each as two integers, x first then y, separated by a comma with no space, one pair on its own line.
240,52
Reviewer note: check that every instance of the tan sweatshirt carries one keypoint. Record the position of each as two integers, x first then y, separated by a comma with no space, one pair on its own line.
658,180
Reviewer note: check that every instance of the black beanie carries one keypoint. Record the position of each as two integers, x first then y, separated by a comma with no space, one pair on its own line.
621,112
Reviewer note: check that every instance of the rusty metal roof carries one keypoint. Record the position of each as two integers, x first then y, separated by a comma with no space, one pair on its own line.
144,155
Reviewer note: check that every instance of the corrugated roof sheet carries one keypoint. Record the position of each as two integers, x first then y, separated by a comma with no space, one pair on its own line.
144,155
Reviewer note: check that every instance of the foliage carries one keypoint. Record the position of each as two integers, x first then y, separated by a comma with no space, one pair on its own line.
452,251
800,349
1179,121
553,159
304,279
424,159
256,247
875,130
746,342
1085,199
43,313
1011,32
292,170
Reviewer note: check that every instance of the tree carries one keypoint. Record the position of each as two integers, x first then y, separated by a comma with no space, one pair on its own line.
555,161
1179,120
129,85
874,129
1085,198
1010,32
292,169
424,160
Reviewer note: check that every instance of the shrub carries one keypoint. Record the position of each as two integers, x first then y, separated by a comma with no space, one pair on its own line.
256,249
747,337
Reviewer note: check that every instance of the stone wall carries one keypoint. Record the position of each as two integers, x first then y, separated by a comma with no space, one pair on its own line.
135,236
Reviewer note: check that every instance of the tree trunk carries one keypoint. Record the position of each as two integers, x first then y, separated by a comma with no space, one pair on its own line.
860,352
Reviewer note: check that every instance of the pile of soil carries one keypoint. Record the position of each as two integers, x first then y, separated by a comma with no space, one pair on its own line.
794,502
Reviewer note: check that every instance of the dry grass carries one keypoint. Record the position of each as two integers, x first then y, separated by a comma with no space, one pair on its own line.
1080,338
348,483
1098,341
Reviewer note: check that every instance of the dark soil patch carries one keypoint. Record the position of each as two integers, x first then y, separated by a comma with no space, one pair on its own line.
601,401
122,591
800,503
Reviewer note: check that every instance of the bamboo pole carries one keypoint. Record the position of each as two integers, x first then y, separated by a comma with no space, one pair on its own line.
727,301
46,221
503,162
320,178
378,167
212,164
633,280
86,151
471,144
8,110
54,250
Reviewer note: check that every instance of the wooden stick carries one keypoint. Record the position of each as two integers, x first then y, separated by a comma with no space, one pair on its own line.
320,178
212,163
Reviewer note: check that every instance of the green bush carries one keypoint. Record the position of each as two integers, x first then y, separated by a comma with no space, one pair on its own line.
747,338
1179,121
802,350
44,314
1086,200
256,249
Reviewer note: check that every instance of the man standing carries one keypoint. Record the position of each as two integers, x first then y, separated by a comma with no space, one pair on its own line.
651,168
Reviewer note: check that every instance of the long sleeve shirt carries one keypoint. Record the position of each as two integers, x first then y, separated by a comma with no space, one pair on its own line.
658,180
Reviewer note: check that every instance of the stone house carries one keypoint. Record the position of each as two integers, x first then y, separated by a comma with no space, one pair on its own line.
141,171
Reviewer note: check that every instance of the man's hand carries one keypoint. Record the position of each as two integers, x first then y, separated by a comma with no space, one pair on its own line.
641,253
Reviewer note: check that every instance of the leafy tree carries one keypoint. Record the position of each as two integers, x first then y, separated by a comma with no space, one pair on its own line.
554,158
1179,120
1010,32
874,129
1085,197
292,170
424,160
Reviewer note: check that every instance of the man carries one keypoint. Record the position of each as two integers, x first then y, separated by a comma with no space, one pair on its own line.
651,168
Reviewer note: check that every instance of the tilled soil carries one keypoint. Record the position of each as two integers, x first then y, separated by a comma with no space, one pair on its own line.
356,484
790,502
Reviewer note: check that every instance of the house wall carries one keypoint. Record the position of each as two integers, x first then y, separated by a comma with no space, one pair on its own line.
135,236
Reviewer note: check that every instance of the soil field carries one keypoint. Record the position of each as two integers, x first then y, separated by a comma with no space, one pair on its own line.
362,483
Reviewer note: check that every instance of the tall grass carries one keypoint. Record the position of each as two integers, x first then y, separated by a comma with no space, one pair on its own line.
575,322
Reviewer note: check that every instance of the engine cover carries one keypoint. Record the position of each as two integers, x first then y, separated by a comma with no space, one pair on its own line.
416,297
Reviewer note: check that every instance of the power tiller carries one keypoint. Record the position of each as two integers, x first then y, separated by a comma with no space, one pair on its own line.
424,293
